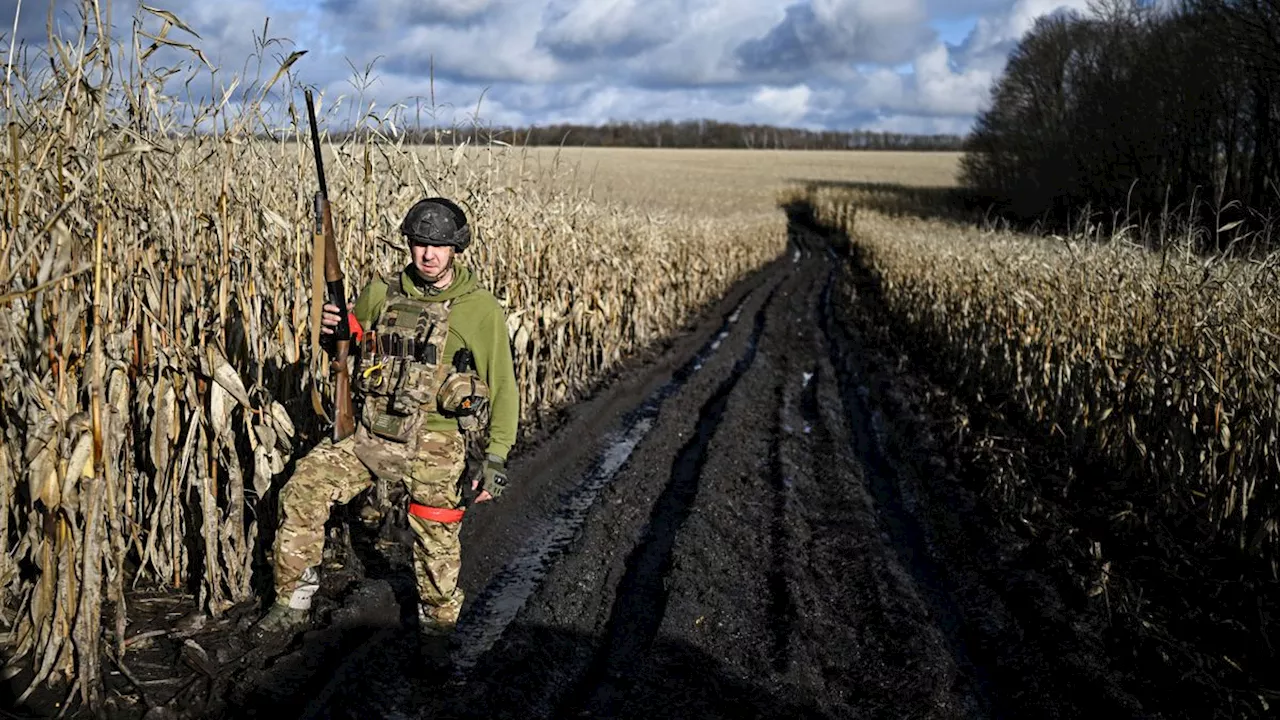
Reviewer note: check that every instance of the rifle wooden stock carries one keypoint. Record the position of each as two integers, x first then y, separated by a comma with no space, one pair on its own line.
344,416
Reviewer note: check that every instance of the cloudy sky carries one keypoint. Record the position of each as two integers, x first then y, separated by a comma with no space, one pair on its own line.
921,66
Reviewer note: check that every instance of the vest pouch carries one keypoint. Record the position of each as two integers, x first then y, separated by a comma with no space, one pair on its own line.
385,414
398,419
418,390
398,428
400,393
477,419
465,396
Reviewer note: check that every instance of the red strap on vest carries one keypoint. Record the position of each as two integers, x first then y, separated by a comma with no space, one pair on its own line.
436,514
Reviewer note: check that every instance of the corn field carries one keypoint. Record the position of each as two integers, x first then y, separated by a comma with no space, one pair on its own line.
156,357
1163,365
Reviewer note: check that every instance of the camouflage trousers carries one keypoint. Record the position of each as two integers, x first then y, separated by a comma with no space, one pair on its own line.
335,473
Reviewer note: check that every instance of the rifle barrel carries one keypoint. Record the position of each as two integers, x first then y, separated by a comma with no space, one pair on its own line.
315,145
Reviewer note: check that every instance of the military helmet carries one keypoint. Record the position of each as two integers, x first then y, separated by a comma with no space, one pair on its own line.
436,221
462,394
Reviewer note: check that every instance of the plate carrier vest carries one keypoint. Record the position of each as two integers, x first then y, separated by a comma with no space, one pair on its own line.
405,364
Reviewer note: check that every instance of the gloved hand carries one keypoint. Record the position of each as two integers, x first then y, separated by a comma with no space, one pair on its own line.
495,475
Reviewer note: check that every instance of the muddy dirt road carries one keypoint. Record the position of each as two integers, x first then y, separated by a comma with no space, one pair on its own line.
719,534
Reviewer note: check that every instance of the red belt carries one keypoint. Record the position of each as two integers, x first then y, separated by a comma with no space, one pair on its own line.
436,514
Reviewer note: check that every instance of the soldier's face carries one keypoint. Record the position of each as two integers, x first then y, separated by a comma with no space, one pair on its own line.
432,261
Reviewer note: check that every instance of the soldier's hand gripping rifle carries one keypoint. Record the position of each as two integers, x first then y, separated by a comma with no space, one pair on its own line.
344,418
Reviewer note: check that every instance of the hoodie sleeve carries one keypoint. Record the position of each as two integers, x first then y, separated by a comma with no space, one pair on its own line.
492,353
369,303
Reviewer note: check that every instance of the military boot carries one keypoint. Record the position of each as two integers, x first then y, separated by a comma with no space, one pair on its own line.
433,644
430,624
281,619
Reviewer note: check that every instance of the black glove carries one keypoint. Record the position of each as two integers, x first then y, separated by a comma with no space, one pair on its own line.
495,475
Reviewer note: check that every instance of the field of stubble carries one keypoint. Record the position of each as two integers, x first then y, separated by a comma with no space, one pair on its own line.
723,182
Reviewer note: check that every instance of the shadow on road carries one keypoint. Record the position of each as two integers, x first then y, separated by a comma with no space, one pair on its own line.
676,680
380,672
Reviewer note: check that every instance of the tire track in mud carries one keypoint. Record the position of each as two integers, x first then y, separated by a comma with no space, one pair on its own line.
797,418
784,580
897,509
781,604
641,596
504,596
785,454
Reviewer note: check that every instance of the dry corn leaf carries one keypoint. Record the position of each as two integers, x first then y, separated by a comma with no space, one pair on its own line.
164,426
226,376
280,418
221,404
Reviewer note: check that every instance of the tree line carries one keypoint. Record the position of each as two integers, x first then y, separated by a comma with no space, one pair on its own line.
1144,109
684,134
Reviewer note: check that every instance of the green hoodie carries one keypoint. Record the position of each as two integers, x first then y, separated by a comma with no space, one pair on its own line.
476,322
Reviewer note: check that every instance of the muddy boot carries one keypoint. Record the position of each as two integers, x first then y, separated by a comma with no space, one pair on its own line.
433,636
281,620
370,516
431,625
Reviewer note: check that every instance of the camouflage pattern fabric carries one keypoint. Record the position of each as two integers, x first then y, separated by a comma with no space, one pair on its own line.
437,553
332,473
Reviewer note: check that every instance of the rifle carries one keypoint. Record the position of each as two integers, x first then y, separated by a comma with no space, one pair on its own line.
324,245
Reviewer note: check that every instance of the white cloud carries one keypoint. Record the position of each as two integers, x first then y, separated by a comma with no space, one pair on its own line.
787,106
703,52
882,88
390,15
582,29
815,33
918,125
940,90
1026,12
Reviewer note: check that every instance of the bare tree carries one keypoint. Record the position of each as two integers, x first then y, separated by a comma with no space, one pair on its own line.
1135,109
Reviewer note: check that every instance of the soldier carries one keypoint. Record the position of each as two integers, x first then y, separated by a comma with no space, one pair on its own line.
435,369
